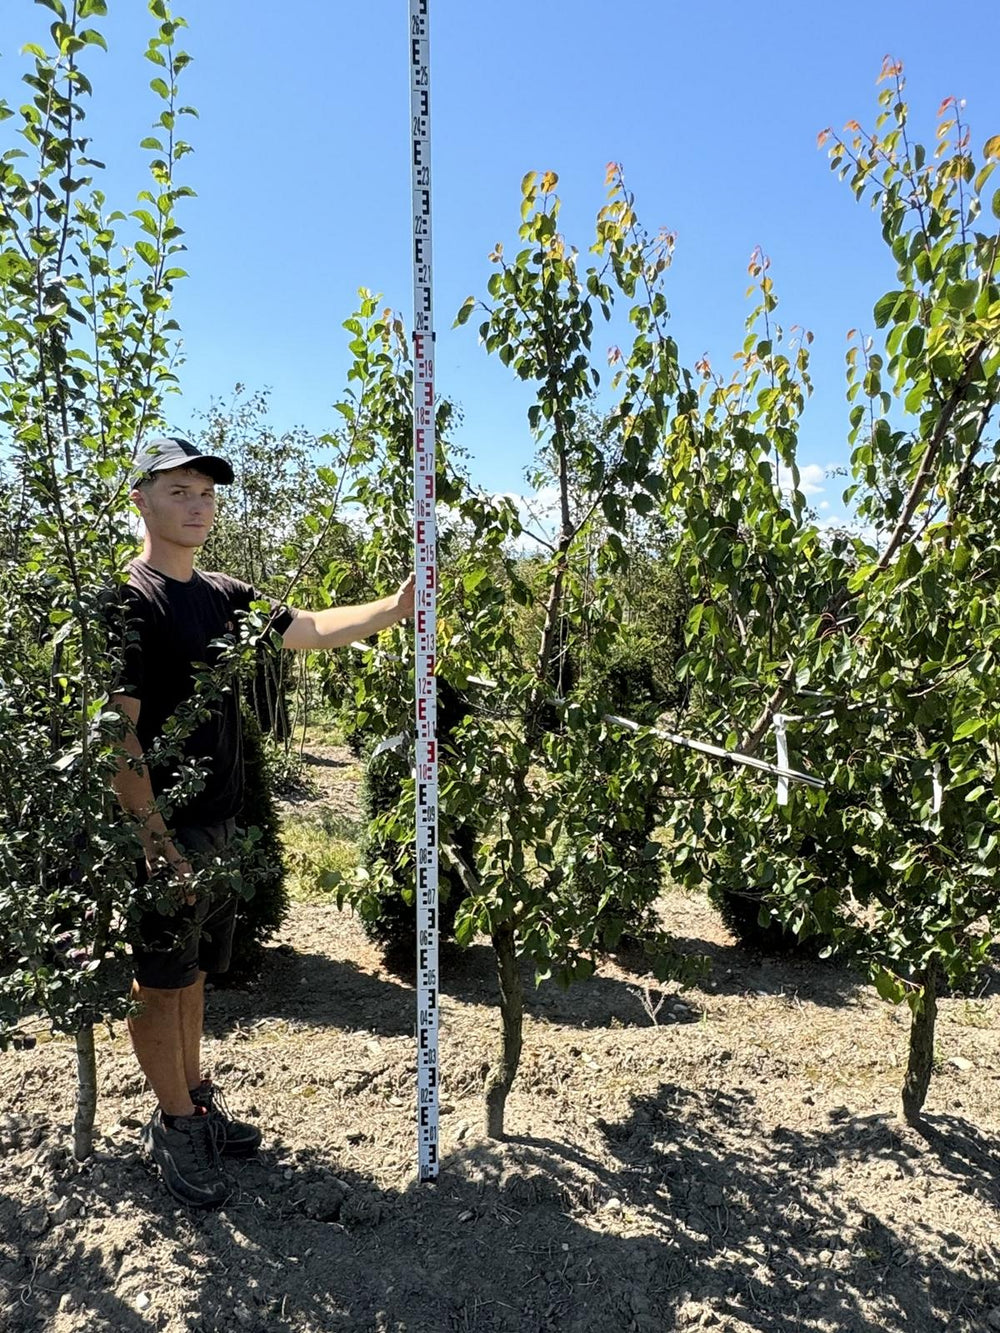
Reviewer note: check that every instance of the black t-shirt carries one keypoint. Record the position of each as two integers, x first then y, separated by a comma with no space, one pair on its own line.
165,628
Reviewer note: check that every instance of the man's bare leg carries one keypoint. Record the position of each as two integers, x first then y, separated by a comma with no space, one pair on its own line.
184,1150
192,1022
158,1041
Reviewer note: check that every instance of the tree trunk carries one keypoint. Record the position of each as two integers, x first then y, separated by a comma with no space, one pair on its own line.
86,1094
546,680
921,1056
501,1076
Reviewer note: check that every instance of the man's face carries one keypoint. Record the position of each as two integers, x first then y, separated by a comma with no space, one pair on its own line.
178,506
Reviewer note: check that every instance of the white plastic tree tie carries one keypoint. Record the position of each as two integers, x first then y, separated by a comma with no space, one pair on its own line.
781,739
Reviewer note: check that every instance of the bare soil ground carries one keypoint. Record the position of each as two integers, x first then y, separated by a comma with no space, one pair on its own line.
738,1166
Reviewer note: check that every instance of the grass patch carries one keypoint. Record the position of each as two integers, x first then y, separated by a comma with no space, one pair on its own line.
323,728
347,772
973,1014
315,849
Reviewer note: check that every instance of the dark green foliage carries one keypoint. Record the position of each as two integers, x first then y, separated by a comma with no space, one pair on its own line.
61,944
388,909
624,681
742,909
353,723
269,692
613,864
641,669
745,910
262,914
633,678
620,884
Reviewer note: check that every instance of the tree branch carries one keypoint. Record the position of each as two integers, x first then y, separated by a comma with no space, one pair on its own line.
930,458
757,733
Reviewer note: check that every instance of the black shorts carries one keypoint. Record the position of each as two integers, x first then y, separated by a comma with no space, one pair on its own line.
168,952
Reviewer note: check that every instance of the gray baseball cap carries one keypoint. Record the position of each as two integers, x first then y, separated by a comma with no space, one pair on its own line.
172,451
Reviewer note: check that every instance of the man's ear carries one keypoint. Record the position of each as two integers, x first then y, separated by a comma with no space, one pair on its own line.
138,498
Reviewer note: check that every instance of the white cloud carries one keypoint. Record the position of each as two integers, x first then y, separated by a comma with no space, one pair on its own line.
812,479
538,512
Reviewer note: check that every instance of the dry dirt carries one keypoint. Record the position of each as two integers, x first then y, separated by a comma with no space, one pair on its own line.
737,1166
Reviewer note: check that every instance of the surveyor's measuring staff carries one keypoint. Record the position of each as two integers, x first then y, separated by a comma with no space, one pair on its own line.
425,613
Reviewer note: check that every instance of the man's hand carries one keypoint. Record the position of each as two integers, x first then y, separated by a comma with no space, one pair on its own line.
173,868
405,597
135,794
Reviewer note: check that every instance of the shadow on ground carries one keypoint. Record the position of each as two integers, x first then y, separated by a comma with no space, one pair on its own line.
718,1234
329,991
733,969
712,1230
325,991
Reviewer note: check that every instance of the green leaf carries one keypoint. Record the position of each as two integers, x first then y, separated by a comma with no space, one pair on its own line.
861,576
884,308
890,987
972,726
465,310
962,295
913,343
695,616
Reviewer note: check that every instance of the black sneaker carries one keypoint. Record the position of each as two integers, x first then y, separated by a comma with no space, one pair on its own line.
233,1138
188,1158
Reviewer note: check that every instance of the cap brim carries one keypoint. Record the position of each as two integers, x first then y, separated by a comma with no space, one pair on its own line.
216,468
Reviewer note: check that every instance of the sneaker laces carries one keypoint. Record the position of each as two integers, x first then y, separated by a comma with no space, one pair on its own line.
204,1145
214,1100
216,1109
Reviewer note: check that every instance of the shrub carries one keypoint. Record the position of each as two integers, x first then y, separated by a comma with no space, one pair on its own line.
388,906
748,916
262,913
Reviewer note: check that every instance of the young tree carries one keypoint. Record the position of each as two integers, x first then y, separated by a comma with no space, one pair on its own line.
889,624
86,355
531,772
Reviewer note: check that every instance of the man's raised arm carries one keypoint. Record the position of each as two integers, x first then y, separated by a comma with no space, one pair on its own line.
338,626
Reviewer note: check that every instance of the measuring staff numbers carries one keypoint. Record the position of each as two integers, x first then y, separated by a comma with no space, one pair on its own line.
425,605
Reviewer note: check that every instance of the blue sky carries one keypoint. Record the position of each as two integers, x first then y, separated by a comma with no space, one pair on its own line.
302,172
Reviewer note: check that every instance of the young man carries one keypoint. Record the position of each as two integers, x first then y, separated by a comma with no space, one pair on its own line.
170,615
